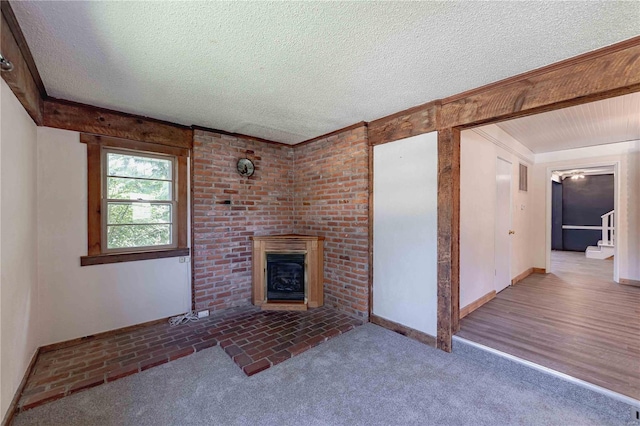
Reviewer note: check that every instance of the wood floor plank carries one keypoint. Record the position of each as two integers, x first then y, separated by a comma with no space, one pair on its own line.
575,320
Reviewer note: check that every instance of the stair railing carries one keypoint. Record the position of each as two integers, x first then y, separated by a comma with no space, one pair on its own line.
608,230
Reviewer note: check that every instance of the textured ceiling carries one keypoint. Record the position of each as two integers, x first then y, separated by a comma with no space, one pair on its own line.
289,71
597,123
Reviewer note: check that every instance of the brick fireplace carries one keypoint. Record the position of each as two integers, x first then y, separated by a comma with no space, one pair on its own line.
315,188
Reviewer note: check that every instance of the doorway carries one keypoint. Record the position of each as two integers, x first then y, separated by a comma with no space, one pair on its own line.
565,312
503,223
582,220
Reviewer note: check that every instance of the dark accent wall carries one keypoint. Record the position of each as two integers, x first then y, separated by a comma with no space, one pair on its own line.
583,202
556,216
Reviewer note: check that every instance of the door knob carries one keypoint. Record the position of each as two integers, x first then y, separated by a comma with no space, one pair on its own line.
511,232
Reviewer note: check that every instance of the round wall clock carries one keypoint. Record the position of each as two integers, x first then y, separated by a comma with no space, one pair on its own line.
245,167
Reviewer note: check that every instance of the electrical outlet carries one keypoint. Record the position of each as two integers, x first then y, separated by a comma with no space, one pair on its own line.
635,414
184,259
181,259
203,314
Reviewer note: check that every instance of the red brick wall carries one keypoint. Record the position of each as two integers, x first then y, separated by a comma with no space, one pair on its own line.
331,199
261,204
318,188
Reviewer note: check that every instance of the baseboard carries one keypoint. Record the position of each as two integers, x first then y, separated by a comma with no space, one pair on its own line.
411,333
476,304
78,340
627,281
526,273
13,406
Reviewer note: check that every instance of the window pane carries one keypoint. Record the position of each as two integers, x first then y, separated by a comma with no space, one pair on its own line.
139,167
125,236
119,213
135,189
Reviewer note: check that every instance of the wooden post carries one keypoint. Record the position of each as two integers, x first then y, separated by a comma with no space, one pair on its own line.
448,235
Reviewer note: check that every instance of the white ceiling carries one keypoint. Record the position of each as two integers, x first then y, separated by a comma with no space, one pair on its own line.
289,71
597,123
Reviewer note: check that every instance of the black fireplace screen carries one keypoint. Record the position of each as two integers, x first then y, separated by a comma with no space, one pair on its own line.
285,276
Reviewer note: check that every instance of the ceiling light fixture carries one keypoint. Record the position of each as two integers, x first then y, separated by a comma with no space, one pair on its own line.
5,64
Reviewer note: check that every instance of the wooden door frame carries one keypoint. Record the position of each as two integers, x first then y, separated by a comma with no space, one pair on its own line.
604,73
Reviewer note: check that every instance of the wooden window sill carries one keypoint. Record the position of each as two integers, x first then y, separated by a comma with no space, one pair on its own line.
102,259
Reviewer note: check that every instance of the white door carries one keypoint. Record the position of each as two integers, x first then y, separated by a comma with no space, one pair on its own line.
503,225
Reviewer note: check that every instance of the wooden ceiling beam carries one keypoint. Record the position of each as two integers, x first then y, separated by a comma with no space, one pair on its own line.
24,84
21,41
411,122
601,74
83,118
604,73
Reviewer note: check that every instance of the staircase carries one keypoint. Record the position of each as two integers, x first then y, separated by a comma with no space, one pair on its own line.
605,248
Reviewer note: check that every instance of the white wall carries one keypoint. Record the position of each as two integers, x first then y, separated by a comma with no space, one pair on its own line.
78,301
405,232
19,334
627,154
479,150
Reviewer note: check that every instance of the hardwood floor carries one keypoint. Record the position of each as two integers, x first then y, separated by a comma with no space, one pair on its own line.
575,320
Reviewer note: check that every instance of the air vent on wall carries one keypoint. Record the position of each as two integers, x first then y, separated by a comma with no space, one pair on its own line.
523,180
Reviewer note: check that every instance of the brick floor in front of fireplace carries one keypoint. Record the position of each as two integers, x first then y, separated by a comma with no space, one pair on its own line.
254,339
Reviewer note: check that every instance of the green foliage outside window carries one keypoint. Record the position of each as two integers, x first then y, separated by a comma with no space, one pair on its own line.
136,189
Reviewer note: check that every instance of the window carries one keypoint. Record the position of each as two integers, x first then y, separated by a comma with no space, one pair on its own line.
138,196
137,200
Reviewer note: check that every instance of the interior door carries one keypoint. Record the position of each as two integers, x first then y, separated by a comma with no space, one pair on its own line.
503,225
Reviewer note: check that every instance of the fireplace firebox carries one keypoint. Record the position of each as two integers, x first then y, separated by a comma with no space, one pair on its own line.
287,272
285,276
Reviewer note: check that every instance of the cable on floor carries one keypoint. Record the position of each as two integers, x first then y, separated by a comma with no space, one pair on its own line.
183,319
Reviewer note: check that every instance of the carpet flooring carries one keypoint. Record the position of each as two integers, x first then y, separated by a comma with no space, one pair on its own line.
369,376
253,338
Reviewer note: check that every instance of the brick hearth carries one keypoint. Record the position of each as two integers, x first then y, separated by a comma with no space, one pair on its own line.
254,339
